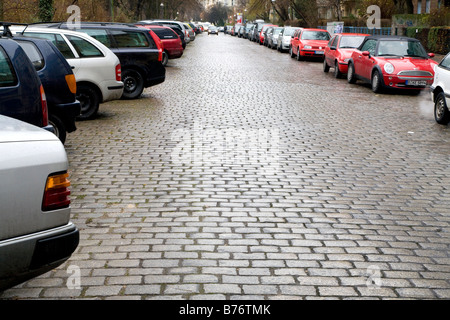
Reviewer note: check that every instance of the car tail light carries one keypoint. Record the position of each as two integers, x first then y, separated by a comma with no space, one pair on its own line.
44,107
159,44
56,195
119,72
71,83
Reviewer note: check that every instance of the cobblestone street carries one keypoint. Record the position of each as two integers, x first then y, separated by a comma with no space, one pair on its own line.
250,175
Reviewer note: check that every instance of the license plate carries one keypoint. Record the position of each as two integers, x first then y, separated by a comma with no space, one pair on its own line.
416,83
318,52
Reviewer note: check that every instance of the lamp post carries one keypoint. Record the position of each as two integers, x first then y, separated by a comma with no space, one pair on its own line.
162,10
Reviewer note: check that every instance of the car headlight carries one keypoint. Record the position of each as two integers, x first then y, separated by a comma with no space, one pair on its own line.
389,68
307,47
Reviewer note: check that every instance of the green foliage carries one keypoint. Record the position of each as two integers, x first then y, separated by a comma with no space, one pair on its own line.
46,10
433,39
411,20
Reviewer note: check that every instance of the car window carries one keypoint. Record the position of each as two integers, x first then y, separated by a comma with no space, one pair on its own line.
165,34
333,42
445,63
315,35
351,41
8,76
57,40
369,45
33,54
99,35
84,48
289,31
128,39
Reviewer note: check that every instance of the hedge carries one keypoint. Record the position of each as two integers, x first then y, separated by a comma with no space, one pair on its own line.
436,39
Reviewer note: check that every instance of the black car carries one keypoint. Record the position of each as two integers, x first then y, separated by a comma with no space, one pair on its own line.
22,95
59,83
139,55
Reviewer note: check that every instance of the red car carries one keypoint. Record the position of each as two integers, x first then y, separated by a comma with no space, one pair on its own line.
170,41
339,50
310,43
262,35
392,62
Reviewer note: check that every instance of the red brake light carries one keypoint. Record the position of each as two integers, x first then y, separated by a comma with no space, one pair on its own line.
44,107
119,72
56,195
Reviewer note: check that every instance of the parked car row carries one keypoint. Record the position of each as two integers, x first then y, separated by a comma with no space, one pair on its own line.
50,76
385,62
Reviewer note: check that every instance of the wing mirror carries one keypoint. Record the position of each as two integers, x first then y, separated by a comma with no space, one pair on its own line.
366,53
431,55
332,48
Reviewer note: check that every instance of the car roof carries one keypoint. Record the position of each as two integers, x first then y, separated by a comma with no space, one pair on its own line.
102,25
313,29
384,37
351,34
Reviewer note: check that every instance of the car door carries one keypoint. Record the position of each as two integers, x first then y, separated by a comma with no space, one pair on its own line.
330,50
364,64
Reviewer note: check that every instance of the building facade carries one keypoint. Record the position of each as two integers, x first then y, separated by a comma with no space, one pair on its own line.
426,6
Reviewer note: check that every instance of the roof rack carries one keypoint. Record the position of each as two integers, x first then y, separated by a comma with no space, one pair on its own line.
6,28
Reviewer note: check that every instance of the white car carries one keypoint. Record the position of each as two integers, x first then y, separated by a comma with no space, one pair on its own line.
440,91
97,69
36,234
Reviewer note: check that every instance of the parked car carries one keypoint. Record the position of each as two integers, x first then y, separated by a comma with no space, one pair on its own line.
213,30
310,43
262,33
257,31
172,45
267,34
440,91
284,38
248,26
22,95
392,62
190,31
138,50
96,68
170,22
339,50
36,234
59,83
272,40
294,41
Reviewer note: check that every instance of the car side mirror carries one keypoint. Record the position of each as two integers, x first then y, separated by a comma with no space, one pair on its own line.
431,55
366,53
333,48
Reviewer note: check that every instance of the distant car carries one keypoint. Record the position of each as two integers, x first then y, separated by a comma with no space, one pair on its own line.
284,38
221,29
174,23
22,95
97,69
339,50
172,45
310,43
213,30
392,62
36,234
59,84
440,91
257,31
248,26
262,34
272,40
267,34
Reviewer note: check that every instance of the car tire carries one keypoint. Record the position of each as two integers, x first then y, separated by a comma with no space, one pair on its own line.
337,74
441,113
291,52
134,84
58,126
377,84
351,74
299,56
89,100
326,67
165,59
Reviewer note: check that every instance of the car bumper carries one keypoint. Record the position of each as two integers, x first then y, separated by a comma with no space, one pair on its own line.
394,81
31,255
68,113
112,90
312,53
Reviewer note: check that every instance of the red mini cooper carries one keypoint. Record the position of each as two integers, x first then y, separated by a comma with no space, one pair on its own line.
310,43
392,62
339,50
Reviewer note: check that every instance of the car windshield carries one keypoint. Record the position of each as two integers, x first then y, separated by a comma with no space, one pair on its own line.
351,41
277,31
402,48
315,35
289,32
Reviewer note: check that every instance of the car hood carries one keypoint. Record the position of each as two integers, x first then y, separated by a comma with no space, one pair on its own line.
315,43
12,130
401,64
346,53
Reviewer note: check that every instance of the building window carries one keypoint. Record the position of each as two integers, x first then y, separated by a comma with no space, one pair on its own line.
427,6
419,7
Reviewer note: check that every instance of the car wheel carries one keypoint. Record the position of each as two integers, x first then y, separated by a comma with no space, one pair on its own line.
326,67
441,113
337,73
134,84
351,73
58,126
165,59
291,52
377,85
299,57
89,100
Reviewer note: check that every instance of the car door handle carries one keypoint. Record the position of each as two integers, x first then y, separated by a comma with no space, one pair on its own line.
73,68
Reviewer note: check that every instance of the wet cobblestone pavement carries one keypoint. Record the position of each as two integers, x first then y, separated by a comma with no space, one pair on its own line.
250,175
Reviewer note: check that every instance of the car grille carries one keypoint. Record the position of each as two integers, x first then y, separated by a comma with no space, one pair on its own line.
415,73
